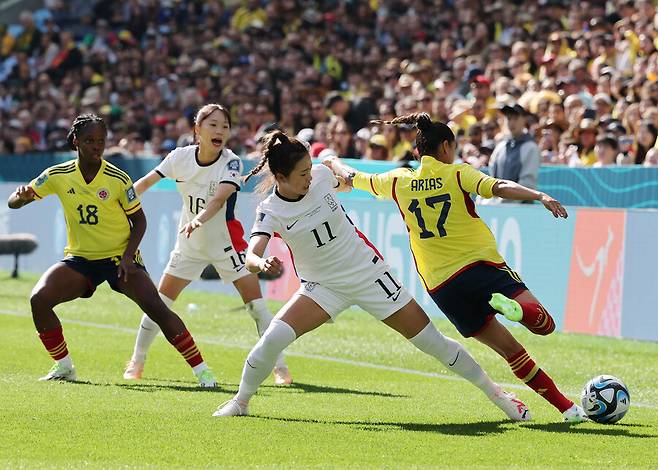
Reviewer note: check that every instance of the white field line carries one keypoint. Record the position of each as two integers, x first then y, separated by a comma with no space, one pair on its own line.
338,360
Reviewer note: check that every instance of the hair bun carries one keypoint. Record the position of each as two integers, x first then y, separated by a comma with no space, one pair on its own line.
424,122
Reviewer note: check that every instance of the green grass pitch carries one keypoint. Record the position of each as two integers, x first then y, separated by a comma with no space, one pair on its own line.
363,397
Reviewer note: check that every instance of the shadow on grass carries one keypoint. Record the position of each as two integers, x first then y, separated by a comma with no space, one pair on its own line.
481,428
620,429
311,388
148,387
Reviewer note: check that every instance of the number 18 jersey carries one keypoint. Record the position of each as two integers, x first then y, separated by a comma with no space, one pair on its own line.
326,247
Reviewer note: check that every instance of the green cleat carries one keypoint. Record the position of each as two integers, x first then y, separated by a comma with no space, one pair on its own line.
508,307
58,372
207,379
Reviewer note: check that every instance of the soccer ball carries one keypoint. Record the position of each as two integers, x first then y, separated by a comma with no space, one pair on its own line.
605,399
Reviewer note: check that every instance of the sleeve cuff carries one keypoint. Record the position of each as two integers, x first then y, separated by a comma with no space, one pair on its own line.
254,234
233,183
160,173
133,209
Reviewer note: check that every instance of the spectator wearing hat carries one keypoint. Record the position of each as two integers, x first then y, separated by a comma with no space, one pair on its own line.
586,137
516,157
377,148
606,151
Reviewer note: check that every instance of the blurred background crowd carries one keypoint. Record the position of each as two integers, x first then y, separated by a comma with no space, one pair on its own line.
563,82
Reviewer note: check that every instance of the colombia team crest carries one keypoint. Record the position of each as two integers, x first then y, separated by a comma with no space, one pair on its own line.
103,194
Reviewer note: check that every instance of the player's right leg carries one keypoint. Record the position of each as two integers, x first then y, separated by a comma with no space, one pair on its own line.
59,284
498,338
300,315
414,324
169,289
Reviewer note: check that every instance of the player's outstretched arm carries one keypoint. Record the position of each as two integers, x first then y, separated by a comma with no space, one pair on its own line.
514,191
343,172
145,182
255,262
23,195
212,208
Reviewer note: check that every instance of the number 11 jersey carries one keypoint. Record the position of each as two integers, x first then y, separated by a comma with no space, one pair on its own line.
326,247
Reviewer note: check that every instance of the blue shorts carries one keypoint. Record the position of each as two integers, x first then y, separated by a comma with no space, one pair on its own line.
99,270
464,298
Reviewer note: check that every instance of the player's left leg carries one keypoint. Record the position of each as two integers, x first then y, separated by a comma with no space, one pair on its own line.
142,291
498,338
412,322
249,289
524,307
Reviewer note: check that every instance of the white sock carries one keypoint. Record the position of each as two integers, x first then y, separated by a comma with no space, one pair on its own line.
66,362
260,361
454,357
200,368
148,330
258,310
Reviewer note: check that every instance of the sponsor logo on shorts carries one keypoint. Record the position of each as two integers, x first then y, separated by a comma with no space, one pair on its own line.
309,286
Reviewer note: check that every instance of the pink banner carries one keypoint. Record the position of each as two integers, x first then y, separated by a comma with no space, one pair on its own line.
594,298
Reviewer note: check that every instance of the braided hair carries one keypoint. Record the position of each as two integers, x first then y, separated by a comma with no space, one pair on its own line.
431,134
281,153
80,123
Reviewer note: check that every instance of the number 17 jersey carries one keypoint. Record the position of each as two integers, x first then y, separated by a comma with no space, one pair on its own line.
326,247
445,232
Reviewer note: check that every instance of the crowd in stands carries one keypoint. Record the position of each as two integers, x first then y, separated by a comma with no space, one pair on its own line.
582,74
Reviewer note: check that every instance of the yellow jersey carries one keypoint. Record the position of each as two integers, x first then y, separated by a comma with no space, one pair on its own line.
445,232
97,226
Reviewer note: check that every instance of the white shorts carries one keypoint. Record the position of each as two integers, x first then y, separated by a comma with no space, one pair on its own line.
230,269
378,292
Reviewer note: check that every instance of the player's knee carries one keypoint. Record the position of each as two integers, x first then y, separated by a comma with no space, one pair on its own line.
40,300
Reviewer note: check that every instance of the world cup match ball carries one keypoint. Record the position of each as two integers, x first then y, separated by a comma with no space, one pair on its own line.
605,399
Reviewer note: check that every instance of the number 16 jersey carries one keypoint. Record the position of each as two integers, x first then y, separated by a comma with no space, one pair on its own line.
326,247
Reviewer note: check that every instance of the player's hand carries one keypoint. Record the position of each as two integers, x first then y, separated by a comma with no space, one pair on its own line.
329,162
554,206
25,193
126,268
191,227
271,265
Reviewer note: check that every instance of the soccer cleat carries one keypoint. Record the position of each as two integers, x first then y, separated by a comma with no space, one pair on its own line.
282,376
134,370
58,372
207,379
231,408
514,408
508,307
575,414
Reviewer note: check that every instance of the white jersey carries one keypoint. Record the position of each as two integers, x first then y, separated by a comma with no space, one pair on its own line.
326,247
197,183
